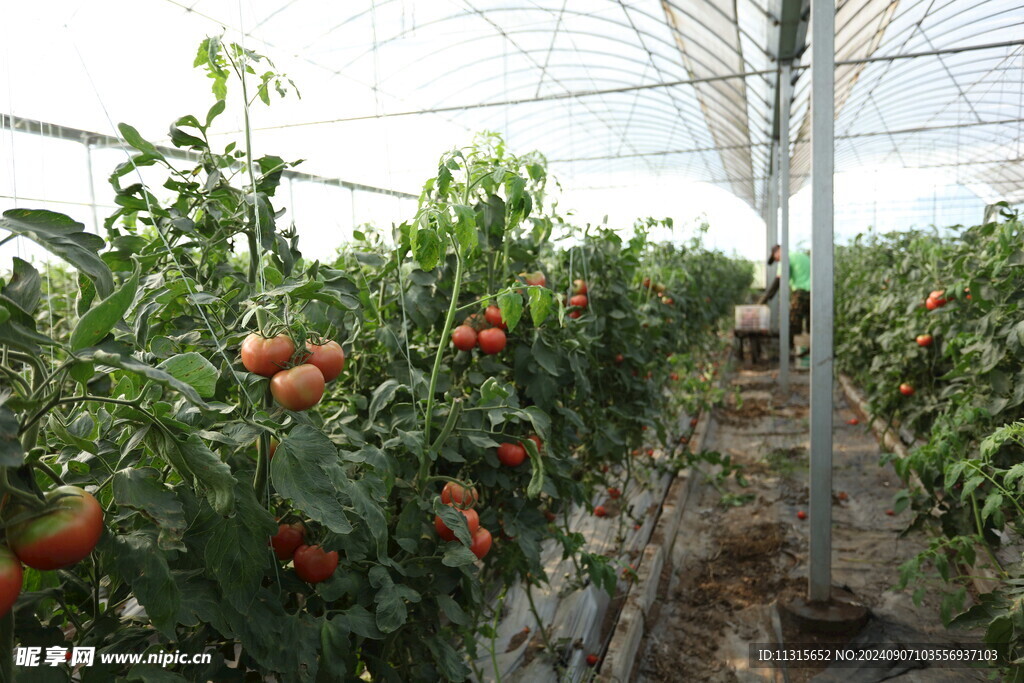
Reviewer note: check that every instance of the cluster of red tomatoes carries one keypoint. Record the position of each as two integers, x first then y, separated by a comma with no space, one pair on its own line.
578,300
64,533
490,340
312,563
464,499
936,299
295,385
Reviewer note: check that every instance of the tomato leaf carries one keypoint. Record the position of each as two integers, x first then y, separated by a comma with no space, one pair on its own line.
11,452
369,510
382,395
209,473
449,663
390,600
457,555
24,287
133,138
426,245
101,318
145,568
305,470
540,304
511,305
193,369
142,489
65,238
536,469
236,553
465,228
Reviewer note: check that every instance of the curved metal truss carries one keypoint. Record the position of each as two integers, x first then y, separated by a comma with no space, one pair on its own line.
682,88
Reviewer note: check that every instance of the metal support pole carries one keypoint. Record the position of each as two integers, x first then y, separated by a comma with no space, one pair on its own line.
822,168
785,95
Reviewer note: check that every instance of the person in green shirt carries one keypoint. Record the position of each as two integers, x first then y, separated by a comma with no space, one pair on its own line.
800,289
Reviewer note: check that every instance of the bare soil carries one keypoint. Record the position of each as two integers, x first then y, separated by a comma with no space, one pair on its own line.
731,564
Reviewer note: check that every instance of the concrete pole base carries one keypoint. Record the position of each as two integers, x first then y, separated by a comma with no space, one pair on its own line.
843,614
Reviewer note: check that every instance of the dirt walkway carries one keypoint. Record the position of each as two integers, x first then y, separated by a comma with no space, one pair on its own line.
734,560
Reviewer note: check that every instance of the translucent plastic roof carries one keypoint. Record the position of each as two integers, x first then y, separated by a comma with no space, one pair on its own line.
614,92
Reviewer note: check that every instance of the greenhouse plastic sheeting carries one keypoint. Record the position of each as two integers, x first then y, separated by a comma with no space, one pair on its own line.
614,92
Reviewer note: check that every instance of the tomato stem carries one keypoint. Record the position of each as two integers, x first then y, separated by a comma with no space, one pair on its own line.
441,347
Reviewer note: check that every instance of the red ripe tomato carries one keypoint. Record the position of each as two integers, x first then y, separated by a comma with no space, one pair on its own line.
491,341
10,579
481,543
937,295
298,388
924,340
619,358
62,536
511,454
842,495
329,357
535,278
684,439
906,389
549,515
464,338
592,660
578,300
493,315
472,520
459,496
650,452
801,514
313,564
890,512
647,283
931,304
536,439
579,287
287,539
266,356
575,314
853,421
674,377
614,493
599,511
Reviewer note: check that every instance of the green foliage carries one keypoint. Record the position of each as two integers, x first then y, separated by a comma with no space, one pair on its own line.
967,411
139,397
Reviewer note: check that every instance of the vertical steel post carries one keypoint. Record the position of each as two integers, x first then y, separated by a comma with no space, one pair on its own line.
822,168
785,95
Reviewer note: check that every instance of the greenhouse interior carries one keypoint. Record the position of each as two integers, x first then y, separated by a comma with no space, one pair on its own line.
535,341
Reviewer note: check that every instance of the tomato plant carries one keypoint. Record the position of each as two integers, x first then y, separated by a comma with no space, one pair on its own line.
967,407
142,370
